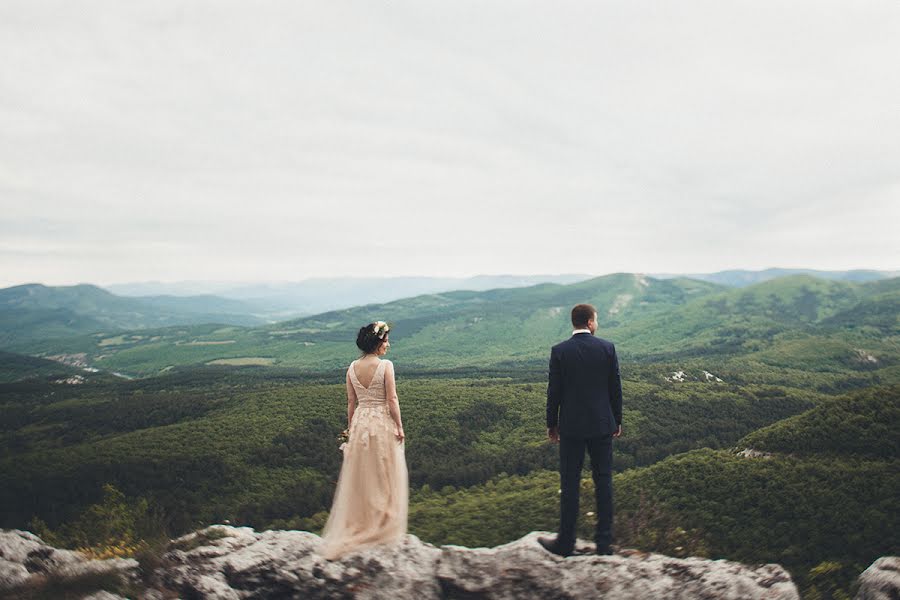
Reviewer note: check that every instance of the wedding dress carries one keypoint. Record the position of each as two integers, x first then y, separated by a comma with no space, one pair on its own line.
371,497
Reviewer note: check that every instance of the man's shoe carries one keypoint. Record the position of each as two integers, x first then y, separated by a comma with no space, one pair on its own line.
553,547
603,550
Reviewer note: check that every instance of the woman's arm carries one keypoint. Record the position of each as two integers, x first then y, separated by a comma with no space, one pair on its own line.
390,390
351,400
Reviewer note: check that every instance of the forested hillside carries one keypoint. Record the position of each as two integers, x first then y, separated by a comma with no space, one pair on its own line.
21,366
34,312
865,423
254,449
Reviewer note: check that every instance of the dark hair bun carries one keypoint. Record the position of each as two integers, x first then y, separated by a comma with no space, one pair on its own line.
366,340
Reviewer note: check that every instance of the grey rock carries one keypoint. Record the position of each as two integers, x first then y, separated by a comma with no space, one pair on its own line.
505,571
25,558
103,595
881,581
286,564
238,563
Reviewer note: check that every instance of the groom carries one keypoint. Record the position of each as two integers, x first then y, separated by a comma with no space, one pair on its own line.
584,411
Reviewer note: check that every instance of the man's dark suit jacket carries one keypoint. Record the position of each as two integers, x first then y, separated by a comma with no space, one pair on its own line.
584,393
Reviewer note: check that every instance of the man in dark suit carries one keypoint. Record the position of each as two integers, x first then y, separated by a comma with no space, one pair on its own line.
584,411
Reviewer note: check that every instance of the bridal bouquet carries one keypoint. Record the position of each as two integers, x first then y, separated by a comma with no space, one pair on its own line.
342,438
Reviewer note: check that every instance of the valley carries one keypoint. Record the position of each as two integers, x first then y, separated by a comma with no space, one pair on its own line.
760,422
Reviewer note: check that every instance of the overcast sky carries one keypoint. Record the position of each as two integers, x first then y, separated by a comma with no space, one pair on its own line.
278,140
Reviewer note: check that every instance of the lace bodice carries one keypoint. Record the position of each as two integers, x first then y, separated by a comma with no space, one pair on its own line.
372,416
375,393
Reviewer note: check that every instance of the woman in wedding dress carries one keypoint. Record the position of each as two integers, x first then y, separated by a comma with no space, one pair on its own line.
371,498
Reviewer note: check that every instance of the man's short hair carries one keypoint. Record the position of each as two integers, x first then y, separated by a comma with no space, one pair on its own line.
581,314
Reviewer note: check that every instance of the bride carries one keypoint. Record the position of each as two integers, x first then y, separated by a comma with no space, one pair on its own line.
371,497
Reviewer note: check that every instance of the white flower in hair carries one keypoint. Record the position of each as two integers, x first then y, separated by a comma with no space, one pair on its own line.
381,328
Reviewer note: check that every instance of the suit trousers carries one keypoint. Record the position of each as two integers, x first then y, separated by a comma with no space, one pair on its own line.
571,460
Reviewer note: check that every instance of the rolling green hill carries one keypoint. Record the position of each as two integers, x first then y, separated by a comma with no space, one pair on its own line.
456,329
37,312
865,423
742,277
843,333
740,320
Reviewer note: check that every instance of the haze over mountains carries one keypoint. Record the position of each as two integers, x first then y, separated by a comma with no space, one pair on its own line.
35,310
55,311
321,294
742,277
795,321
286,299
39,311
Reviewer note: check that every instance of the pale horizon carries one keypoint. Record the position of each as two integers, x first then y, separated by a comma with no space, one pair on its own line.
891,272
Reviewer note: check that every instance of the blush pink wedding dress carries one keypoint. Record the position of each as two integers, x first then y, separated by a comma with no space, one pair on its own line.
372,494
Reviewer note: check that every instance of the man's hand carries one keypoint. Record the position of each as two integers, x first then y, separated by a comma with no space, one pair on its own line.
553,434
618,431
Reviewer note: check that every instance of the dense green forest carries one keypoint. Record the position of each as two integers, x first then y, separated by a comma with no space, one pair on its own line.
15,367
865,423
263,449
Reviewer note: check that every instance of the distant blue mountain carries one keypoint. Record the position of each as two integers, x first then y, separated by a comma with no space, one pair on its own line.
742,277
290,299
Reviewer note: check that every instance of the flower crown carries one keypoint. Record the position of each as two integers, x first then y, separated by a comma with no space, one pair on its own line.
380,328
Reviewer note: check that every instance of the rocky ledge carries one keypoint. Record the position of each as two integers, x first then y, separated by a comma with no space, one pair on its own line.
238,562
28,565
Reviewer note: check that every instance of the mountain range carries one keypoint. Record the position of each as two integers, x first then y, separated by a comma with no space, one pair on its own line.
799,322
36,311
371,289
281,300
287,299
844,330
742,277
